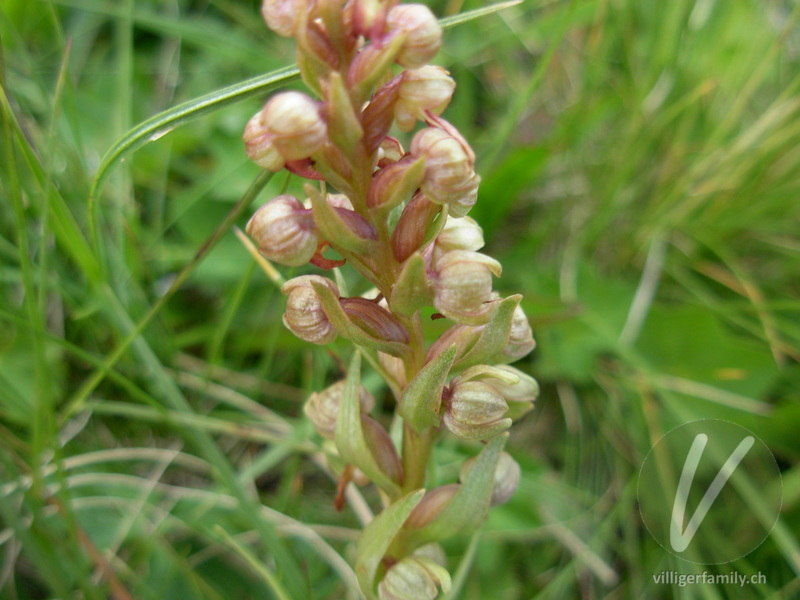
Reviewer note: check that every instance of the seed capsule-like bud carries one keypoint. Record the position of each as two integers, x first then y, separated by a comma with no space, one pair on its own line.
382,449
284,231
280,15
458,234
304,314
390,151
450,177
294,123
426,89
375,320
506,477
463,285
423,34
259,146
431,505
475,410
414,578
322,407
520,342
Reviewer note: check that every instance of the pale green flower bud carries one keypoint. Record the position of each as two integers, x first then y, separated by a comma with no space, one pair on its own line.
506,477
284,231
422,30
432,503
426,89
280,15
304,314
458,234
517,388
414,578
259,146
322,407
463,286
450,177
520,342
294,122
475,410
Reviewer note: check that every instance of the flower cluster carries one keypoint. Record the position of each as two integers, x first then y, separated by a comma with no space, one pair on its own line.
399,218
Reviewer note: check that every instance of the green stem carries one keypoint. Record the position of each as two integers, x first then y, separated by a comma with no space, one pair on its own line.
416,453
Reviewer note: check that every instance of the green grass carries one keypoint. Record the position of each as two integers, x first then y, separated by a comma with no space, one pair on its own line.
640,169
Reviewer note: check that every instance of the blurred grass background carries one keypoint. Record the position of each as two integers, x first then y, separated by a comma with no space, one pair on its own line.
640,167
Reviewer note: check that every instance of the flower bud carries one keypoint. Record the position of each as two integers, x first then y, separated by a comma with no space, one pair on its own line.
475,410
382,449
412,228
463,286
395,367
322,407
395,183
463,336
524,389
294,123
375,320
259,146
414,578
389,151
284,231
422,30
368,16
426,89
506,477
520,341
450,177
430,506
458,234
304,314
280,15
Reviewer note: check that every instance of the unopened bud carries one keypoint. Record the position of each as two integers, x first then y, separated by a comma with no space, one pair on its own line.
280,15
390,150
450,177
284,231
414,578
432,503
368,16
395,367
294,123
259,146
322,407
426,89
458,234
520,342
422,30
395,183
463,336
463,286
475,411
506,477
412,228
375,320
304,314
382,449
517,388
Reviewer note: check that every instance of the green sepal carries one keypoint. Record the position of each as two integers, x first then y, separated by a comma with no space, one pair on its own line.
494,336
377,537
421,400
333,228
349,330
350,440
412,290
467,510
344,126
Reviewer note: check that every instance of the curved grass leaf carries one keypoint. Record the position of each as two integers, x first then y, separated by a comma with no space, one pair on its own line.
164,122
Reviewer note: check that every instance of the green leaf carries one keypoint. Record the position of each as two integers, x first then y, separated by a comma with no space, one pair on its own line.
465,513
350,440
378,536
477,13
412,290
347,329
494,336
422,398
161,124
